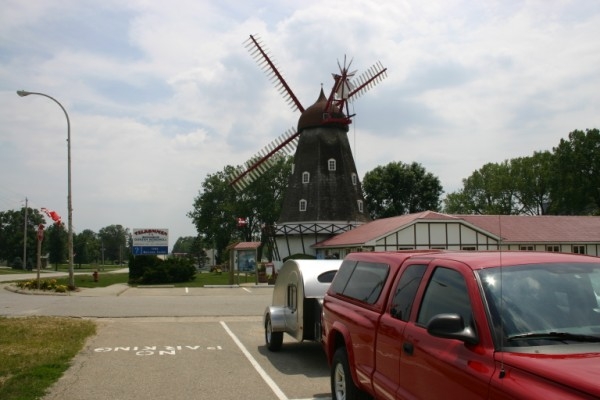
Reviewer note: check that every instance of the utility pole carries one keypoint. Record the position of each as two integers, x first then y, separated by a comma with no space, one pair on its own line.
25,238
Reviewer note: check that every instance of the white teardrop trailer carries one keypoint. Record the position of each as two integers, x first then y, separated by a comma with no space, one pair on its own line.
297,301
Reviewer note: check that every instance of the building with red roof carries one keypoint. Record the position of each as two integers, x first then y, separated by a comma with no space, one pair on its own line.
433,230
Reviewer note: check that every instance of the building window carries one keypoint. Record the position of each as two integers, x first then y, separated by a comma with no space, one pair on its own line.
331,164
302,205
578,249
553,248
305,177
526,247
354,179
360,205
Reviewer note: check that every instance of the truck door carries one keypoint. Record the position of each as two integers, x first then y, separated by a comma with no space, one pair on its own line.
433,367
391,327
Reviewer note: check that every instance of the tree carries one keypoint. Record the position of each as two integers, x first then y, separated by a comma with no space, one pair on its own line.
12,228
260,204
86,247
565,181
576,187
213,213
531,177
113,243
399,188
488,190
56,243
218,206
193,248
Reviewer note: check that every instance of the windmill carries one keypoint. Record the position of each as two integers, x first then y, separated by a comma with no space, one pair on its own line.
323,197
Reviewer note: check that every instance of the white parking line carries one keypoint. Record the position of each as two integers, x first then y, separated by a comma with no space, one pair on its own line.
280,395
247,290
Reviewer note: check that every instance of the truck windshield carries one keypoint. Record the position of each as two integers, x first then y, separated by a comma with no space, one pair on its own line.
537,304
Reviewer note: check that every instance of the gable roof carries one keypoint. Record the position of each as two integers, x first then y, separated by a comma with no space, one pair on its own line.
511,228
380,227
245,246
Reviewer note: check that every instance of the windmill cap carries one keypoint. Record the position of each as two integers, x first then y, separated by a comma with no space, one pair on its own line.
312,117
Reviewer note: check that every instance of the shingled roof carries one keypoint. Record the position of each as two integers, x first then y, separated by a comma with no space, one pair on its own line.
510,228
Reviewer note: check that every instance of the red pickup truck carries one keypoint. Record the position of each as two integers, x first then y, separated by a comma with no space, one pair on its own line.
464,325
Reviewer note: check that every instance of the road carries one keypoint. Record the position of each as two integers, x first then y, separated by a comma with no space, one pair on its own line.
177,343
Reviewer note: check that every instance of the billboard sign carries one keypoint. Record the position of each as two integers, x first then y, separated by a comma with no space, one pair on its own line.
149,241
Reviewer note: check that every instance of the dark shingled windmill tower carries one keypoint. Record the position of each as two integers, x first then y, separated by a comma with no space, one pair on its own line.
324,196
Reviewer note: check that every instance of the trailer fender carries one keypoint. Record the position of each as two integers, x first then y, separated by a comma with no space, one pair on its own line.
276,314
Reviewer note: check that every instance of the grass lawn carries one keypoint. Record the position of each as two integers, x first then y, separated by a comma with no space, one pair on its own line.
106,278
35,352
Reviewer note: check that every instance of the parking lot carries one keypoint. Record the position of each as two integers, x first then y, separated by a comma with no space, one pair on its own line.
178,344
199,358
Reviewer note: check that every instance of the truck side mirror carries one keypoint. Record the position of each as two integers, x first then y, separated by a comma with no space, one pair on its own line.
451,326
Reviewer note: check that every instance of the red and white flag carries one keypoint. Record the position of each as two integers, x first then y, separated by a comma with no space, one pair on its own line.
52,214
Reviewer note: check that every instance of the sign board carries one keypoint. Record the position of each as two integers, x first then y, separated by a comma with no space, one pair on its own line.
149,241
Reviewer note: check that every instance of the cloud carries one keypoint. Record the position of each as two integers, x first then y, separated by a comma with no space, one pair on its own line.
161,94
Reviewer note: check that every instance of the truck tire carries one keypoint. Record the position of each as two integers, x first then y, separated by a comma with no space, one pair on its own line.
342,385
274,340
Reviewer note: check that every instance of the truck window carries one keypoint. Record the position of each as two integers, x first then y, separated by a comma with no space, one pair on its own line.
366,282
341,278
406,291
446,293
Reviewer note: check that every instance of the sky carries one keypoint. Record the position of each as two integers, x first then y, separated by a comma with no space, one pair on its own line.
161,94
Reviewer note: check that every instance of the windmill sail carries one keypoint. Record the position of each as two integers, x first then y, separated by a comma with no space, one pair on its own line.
367,80
264,159
261,56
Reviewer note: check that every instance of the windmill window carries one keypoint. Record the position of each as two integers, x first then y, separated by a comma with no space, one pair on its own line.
305,177
302,205
331,164
354,179
360,205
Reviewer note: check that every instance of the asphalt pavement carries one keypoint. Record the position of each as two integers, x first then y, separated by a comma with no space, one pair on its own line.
175,343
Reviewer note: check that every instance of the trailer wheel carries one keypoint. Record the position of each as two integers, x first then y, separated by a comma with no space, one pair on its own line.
274,340
342,385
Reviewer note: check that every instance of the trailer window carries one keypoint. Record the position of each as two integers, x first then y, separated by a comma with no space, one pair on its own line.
327,277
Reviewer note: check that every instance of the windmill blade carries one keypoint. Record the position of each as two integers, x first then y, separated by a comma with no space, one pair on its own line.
264,159
367,80
264,61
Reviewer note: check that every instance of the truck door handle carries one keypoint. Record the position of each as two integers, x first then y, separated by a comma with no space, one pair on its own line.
408,348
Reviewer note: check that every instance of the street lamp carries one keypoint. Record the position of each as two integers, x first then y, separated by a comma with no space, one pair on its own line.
24,93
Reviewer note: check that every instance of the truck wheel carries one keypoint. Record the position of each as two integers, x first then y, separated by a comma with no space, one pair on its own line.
342,385
273,340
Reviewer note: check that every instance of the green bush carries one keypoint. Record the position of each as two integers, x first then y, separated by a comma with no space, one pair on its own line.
180,269
17,263
153,270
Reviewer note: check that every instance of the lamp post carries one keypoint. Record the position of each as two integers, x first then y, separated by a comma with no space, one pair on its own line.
24,93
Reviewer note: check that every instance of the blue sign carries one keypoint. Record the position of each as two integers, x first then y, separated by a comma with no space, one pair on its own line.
149,250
